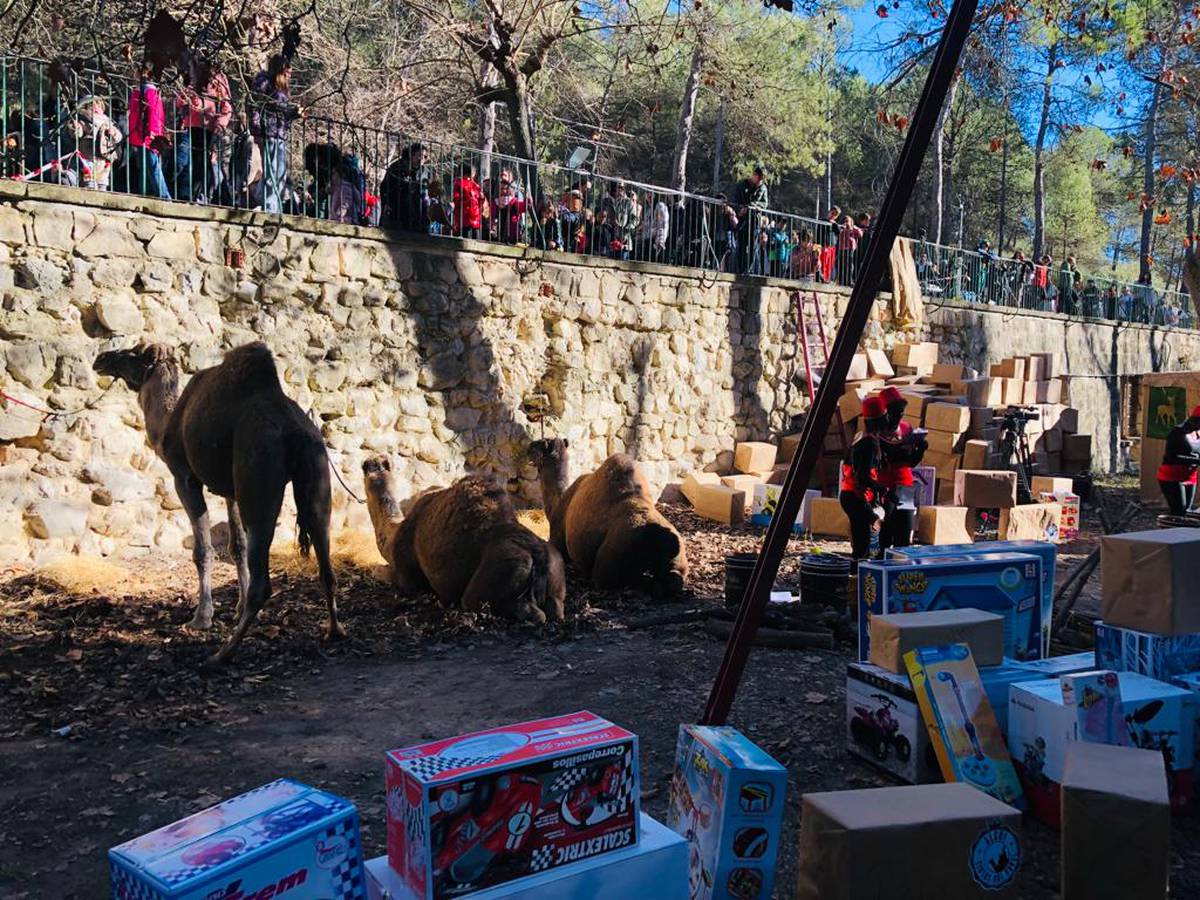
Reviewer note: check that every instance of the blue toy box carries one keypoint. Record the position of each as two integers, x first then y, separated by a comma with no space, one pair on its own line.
727,799
1045,551
1008,584
1055,666
657,867
282,839
996,682
1160,656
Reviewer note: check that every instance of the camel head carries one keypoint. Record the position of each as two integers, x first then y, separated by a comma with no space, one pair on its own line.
549,455
135,365
382,505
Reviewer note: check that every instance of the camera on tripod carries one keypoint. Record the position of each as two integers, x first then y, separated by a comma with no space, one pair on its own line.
1015,417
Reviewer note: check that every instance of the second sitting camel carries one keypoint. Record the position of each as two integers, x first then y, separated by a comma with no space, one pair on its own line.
607,524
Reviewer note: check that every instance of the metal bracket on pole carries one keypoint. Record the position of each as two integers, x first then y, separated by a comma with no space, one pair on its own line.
862,298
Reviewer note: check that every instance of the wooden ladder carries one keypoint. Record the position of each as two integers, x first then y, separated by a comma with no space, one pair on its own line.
811,327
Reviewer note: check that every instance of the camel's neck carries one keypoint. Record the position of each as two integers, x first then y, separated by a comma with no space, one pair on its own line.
157,398
384,511
554,484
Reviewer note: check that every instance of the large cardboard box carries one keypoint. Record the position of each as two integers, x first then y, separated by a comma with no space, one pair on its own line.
1160,656
944,525
283,837
982,418
930,841
1007,584
695,482
828,518
519,777
976,454
727,799
1030,522
717,502
1014,392
945,464
894,634
884,725
1149,580
754,457
1047,391
1049,364
743,483
947,443
1077,447
850,404
878,364
1049,484
1068,420
985,488
1035,368
947,417
1013,367
947,373
980,391
788,445
922,354
859,371
1116,823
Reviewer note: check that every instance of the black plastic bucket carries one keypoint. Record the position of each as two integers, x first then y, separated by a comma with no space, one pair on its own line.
738,569
1169,521
824,578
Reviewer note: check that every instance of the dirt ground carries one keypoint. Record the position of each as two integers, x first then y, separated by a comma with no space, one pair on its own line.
107,730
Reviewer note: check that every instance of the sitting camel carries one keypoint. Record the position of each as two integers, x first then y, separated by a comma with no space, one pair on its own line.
464,543
233,430
607,524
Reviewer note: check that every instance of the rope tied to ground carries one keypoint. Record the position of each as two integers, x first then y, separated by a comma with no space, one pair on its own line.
49,414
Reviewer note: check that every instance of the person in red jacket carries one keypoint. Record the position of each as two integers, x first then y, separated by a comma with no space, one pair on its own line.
901,447
862,495
468,204
1181,460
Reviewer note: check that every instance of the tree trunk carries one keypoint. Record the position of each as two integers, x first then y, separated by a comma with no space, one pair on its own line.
1039,152
687,114
1148,152
1003,185
718,147
1191,213
937,188
487,123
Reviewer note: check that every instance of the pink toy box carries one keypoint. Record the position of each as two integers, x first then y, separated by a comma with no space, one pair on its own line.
470,812
284,840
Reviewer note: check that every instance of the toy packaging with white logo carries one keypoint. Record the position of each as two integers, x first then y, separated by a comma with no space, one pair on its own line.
284,840
477,810
727,799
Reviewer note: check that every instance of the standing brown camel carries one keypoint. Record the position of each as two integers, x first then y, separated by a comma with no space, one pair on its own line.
233,430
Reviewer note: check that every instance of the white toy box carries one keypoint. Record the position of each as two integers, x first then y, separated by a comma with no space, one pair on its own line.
727,799
884,724
284,840
657,867
766,498
475,811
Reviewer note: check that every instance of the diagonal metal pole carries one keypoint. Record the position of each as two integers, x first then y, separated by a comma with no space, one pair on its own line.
862,299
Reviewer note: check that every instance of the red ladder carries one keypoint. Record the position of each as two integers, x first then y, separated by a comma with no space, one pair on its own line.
811,327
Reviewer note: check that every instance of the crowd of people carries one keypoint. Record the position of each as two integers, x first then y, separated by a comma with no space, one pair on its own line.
202,145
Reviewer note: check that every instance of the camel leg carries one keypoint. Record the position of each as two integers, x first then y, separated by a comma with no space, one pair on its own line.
191,495
502,580
258,548
610,570
237,546
320,545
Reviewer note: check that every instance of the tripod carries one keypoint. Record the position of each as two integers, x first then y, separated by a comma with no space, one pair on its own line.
1014,445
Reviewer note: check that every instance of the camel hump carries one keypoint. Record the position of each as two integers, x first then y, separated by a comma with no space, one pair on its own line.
251,367
622,477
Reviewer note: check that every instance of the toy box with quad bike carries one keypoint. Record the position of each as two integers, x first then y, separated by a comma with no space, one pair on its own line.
727,799
1157,716
283,839
1007,584
482,809
657,867
1043,550
884,726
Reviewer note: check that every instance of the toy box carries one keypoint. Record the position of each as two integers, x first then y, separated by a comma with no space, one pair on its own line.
996,682
1007,584
282,839
1095,699
766,498
1191,682
1054,666
1040,725
1046,552
656,867
1068,524
962,728
473,811
884,725
727,799
1160,656
925,485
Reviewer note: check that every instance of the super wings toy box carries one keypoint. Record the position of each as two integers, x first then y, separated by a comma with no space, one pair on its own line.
727,799
284,840
478,810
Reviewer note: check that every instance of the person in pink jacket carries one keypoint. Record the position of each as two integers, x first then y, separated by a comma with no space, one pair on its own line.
147,126
204,110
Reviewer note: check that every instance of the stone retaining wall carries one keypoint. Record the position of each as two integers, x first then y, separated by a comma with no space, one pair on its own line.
421,349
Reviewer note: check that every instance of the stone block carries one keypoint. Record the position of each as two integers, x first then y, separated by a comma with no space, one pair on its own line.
173,245
155,277
53,228
40,275
57,520
12,226
107,239
119,314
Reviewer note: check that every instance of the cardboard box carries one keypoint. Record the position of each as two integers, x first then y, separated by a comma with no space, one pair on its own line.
982,417
997,680
944,464
1049,364
981,391
916,404
766,498
911,371
1012,368
859,371
925,485
754,457
1007,584
1014,392
1045,552
947,417
694,483
281,837
947,373
944,525
1077,447
952,839
850,404
788,445
985,488
947,443
1068,420
976,454
894,634
1162,717
566,788
1164,657
1030,522
743,483
1035,368
1057,666
962,728
1116,824
719,503
727,799
1094,698
1149,580
945,491
884,725
658,865
877,363
1049,484
828,518
1047,391
922,354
